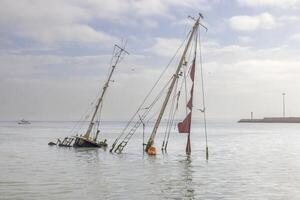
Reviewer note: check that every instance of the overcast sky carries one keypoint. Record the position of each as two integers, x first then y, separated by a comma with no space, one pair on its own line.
54,55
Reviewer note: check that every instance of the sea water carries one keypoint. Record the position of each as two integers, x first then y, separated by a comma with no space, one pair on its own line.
246,161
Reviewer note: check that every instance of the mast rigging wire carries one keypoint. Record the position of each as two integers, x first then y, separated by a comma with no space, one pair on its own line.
149,93
203,97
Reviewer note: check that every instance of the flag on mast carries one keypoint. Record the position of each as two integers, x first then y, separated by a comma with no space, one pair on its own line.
185,125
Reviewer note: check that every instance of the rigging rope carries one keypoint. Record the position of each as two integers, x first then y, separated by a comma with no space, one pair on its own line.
86,114
185,74
203,97
170,118
155,101
149,93
149,108
186,71
141,117
81,121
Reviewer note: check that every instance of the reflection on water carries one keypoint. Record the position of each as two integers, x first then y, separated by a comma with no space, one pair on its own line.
186,174
247,161
188,177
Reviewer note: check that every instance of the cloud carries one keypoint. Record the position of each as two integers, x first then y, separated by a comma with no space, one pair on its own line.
57,76
289,19
246,72
295,37
115,10
245,39
183,22
78,33
264,21
150,23
165,47
270,3
50,23
51,82
56,21
51,66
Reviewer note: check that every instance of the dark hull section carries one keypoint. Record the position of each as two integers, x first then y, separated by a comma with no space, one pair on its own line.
83,142
23,123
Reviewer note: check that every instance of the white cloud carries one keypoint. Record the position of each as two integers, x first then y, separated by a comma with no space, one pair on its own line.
50,22
165,46
295,37
244,72
245,39
251,23
271,3
119,11
150,23
67,33
231,69
235,70
52,81
289,19
56,21
183,22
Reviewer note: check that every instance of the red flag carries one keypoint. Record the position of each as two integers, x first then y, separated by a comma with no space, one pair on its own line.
190,102
185,126
192,75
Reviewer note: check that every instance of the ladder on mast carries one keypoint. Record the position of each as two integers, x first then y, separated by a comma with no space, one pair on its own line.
129,135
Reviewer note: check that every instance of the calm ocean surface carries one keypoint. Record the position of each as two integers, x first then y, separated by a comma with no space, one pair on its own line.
247,161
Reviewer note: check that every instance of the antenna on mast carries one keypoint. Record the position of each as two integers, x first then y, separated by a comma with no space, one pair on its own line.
122,49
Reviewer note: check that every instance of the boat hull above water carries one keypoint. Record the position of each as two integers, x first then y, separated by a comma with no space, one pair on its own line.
22,122
83,142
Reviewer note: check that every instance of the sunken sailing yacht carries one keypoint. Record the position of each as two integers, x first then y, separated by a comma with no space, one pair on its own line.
171,90
89,139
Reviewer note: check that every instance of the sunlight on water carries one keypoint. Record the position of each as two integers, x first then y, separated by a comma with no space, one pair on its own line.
247,161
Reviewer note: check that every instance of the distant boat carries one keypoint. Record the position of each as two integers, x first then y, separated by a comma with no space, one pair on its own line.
23,121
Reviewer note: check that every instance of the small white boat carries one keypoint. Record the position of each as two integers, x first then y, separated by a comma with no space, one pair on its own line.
23,121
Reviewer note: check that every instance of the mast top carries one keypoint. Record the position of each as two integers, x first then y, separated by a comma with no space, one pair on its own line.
117,56
122,49
197,20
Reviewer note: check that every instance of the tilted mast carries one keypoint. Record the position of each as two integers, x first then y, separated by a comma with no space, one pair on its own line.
175,77
117,56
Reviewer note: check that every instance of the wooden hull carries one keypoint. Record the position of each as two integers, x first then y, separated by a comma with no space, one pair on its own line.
83,142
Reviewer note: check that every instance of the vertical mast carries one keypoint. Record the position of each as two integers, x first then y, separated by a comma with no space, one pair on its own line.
175,77
118,57
190,106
